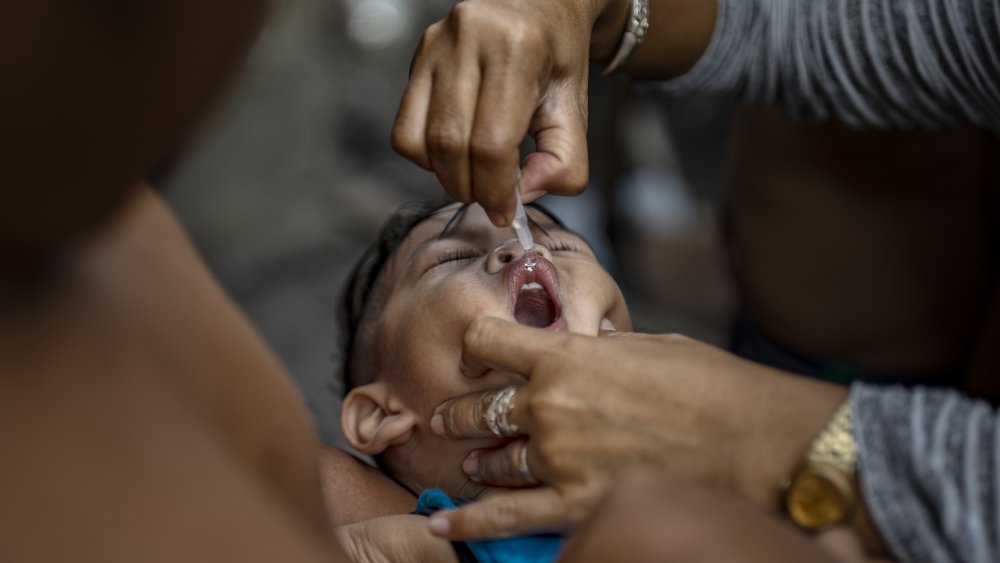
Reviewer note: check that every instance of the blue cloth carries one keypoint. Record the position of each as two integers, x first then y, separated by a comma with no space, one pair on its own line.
541,548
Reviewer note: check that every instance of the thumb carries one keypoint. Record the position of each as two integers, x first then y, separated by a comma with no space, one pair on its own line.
510,346
630,335
559,164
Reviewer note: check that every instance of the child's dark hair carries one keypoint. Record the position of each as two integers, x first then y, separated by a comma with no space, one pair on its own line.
358,290
362,279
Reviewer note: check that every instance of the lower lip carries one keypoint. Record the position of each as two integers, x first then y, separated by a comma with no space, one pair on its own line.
559,325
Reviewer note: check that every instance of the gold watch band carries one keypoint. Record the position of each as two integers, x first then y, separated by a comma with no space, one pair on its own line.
822,493
835,445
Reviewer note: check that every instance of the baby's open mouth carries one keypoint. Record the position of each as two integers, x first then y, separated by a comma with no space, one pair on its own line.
534,307
533,283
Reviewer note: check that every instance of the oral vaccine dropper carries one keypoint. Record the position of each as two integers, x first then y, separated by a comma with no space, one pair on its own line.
520,222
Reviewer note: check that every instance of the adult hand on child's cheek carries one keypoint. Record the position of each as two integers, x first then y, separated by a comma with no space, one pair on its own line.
485,76
596,406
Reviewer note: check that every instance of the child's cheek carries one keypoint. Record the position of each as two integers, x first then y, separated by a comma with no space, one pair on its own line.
465,301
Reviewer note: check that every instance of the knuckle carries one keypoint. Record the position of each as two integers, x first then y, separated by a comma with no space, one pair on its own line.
429,36
496,468
405,142
548,454
462,14
576,512
571,179
527,48
504,516
446,141
479,410
577,178
522,35
572,348
529,37
509,464
479,334
538,406
471,20
675,339
579,504
490,147
452,421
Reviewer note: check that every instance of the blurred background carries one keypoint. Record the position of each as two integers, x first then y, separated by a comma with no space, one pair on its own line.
289,180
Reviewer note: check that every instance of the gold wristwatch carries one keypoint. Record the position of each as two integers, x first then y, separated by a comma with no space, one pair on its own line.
823,491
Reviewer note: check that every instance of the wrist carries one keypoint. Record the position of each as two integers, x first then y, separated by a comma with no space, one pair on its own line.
789,414
824,492
609,25
679,33
864,528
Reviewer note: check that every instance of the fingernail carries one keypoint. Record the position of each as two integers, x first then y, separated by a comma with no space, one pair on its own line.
471,464
439,525
437,424
497,219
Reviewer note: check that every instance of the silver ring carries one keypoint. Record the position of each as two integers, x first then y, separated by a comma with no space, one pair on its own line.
522,463
497,414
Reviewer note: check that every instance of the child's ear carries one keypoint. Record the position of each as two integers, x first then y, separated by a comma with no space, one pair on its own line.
372,419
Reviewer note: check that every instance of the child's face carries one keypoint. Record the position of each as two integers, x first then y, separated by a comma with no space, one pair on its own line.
439,284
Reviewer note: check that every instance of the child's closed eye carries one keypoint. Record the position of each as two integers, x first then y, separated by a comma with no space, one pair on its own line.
563,246
457,256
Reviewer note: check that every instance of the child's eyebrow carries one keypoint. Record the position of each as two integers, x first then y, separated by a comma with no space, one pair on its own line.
459,213
446,232
537,225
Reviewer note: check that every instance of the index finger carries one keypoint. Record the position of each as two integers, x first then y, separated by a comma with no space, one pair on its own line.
504,515
465,416
508,98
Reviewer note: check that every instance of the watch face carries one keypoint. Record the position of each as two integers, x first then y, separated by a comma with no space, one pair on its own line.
815,502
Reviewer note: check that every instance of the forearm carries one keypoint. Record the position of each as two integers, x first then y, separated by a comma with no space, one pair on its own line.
788,412
866,63
355,491
782,415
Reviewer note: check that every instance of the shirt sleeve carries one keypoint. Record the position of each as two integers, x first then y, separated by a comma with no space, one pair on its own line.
929,471
865,63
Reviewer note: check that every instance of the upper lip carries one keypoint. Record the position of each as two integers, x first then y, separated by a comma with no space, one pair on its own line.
542,272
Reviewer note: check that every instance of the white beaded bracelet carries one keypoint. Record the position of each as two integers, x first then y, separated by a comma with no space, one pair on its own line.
635,32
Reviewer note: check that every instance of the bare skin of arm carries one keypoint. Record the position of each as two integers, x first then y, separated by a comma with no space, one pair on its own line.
888,268
141,417
679,32
357,491
103,95
648,519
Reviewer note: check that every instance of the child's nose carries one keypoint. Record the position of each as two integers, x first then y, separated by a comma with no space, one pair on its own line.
510,250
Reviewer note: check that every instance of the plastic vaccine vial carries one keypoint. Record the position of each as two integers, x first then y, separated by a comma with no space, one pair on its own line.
520,223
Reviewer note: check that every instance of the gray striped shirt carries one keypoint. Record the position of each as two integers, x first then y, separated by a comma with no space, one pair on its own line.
866,63
930,473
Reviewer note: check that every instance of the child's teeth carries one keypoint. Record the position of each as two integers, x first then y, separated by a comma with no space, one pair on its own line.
531,285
